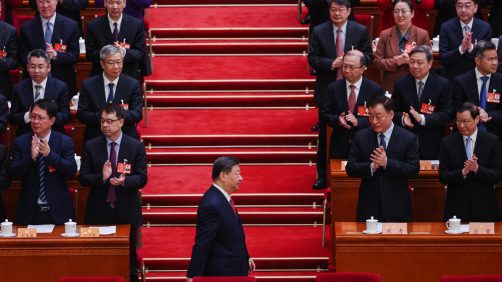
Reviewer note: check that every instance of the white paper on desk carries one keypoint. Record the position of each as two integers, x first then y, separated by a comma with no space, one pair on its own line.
464,228
107,230
43,228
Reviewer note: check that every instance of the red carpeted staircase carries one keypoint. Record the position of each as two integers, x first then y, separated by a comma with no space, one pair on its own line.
231,78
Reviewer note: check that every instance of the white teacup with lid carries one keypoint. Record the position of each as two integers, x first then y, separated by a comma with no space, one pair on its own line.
70,227
372,225
453,224
6,228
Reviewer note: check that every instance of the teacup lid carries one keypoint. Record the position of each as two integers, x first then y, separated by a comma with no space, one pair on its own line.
70,221
454,218
6,222
372,219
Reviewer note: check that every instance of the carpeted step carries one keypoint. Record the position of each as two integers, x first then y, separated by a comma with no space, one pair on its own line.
277,72
228,121
258,21
249,155
228,99
249,215
222,2
268,276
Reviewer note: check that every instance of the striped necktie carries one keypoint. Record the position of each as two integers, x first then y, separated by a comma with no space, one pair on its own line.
42,167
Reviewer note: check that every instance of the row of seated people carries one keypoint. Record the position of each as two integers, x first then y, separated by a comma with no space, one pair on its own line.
113,165
340,86
442,10
59,37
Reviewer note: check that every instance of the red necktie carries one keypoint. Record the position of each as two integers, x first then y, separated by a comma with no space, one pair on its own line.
233,206
352,98
339,51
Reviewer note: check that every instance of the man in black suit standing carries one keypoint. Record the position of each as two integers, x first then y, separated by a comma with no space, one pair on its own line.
58,36
470,163
220,244
110,86
328,43
458,38
423,102
68,8
385,157
114,166
346,107
482,86
118,29
39,85
8,56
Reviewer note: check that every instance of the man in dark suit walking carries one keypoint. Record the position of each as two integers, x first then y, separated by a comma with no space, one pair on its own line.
8,56
482,85
118,29
385,157
58,36
111,86
328,43
220,244
346,108
423,102
114,166
39,85
43,161
459,36
470,163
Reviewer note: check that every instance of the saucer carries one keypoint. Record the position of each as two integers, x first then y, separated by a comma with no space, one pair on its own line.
70,234
7,235
367,232
452,232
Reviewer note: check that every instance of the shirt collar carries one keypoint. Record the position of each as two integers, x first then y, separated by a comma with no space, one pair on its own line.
52,20
388,133
119,139
479,74
343,27
107,81
357,84
43,83
462,24
473,136
227,196
111,21
424,80
46,137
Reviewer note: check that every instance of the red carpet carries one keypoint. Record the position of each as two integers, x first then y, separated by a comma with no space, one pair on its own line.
221,47
203,2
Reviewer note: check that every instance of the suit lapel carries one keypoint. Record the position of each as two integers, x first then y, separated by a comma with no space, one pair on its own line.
105,29
428,87
458,31
49,89
124,25
123,150
480,139
473,88
394,139
363,95
341,96
101,91
119,90
394,44
39,34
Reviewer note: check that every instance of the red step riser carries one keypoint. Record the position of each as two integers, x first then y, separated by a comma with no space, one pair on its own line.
228,140
230,33
155,200
229,102
245,218
229,49
204,2
229,85
247,158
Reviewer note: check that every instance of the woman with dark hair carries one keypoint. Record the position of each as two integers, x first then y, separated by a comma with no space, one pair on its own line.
422,7
391,56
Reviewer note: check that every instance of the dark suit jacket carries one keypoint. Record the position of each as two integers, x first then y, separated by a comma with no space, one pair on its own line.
32,37
319,11
388,47
128,200
4,176
92,99
9,41
336,104
472,198
4,111
450,39
384,194
322,53
437,91
24,168
220,244
465,88
446,11
499,52
99,34
23,99
68,8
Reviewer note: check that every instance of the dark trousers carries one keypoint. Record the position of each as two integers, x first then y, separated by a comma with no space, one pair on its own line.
321,162
42,217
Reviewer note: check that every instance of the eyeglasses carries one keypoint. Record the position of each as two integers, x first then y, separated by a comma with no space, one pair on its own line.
338,11
350,68
39,67
401,12
113,63
38,118
461,6
108,121
463,121
379,117
492,59
45,1
417,62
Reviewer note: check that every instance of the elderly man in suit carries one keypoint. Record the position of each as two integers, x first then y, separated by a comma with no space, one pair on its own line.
220,245
114,166
482,86
459,36
112,86
43,161
58,36
423,102
347,103
117,28
39,85
384,156
328,44
8,55
470,163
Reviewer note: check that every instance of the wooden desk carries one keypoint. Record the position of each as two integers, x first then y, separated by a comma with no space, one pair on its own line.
50,256
416,257
427,195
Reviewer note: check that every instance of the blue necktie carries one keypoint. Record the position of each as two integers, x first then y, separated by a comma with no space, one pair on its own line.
42,197
111,95
37,92
48,33
382,141
482,99
468,147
